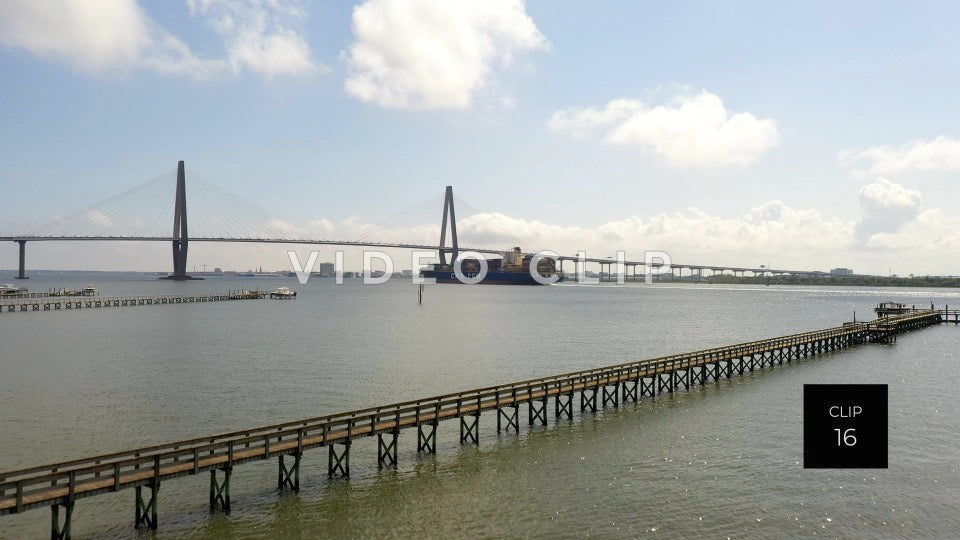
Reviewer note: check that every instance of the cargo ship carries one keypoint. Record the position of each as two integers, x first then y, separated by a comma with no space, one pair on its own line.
511,268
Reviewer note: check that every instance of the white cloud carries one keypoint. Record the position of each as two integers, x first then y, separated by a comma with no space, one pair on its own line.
939,154
930,233
257,35
97,36
117,36
886,207
772,231
691,130
422,54
93,38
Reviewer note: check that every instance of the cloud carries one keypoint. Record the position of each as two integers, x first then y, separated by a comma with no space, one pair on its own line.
118,36
257,35
97,37
421,54
940,154
689,131
772,232
886,207
931,232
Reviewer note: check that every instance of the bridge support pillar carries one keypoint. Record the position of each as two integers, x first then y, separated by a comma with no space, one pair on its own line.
338,463
180,227
146,513
288,477
220,490
448,210
387,450
470,429
23,260
58,531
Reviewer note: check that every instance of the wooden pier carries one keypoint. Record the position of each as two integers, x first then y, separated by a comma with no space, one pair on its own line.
60,485
947,314
43,294
96,302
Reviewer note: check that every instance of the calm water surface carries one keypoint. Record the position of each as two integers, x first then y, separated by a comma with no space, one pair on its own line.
723,460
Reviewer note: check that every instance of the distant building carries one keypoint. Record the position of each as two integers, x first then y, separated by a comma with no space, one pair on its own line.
326,269
841,272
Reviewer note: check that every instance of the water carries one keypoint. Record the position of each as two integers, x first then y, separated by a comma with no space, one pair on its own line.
723,460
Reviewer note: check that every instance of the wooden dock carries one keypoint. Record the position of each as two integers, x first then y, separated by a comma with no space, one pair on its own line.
947,314
43,294
98,302
60,485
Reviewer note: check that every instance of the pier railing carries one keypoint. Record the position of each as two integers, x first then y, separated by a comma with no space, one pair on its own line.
62,483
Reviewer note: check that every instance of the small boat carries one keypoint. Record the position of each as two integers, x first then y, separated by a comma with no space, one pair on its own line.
9,288
90,290
283,292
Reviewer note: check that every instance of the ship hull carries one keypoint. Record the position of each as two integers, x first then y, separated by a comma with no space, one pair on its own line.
492,278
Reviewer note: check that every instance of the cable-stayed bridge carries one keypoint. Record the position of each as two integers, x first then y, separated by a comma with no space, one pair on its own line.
144,213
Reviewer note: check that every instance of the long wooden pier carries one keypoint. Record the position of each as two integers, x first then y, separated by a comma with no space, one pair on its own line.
44,294
60,485
93,302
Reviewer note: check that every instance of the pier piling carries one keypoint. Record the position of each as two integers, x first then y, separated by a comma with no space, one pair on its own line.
537,410
220,490
146,513
60,531
563,405
288,477
470,428
387,451
338,462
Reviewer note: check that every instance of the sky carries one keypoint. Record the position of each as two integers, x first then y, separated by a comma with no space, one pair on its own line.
805,135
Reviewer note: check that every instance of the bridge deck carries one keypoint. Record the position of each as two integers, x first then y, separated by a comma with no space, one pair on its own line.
424,247
62,483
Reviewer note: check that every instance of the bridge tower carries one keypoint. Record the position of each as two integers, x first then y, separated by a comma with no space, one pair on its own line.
180,227
448,210
23,260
